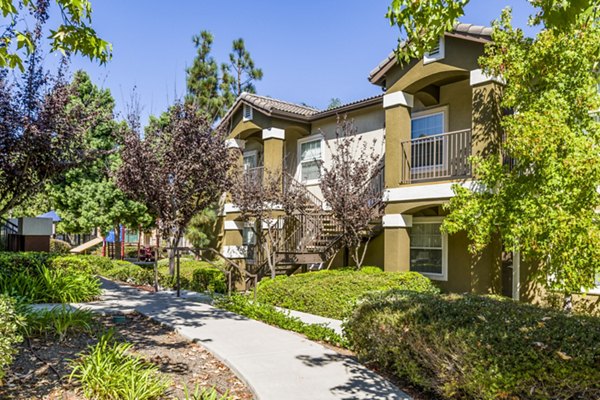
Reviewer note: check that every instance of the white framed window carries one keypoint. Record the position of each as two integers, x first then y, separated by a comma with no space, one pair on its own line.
250,159
310,159
428,149
248,235
437,53
429,248
248,112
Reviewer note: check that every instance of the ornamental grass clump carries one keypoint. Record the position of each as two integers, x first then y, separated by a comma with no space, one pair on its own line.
476,347
109,372
44,278
333,293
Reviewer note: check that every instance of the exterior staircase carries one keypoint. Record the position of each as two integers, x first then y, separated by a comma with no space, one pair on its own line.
311,236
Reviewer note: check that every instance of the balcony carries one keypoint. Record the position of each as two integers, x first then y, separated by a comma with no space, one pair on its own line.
436,157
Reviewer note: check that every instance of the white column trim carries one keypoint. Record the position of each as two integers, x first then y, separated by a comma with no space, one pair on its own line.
235,144
398,98
478,78
397,221
233,225
230,208
273,133
235,251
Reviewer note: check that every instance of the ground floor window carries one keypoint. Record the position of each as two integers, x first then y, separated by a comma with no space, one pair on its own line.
428,248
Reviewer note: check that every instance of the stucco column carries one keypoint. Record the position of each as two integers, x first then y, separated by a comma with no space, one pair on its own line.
486,114
273,140
396,242
397,130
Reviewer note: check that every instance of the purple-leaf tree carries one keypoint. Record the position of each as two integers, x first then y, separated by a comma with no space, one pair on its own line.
265,200
352,187
41,133
177,169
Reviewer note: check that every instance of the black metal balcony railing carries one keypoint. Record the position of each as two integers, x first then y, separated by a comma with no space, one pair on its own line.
437,157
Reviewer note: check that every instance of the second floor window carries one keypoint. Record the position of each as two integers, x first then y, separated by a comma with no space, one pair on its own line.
310,160
427,147
250,160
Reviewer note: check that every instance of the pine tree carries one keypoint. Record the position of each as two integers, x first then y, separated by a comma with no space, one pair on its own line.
203,82
213,87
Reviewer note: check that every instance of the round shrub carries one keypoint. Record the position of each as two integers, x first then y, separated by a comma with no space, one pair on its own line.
10,323
130,273
59,246
475,347
208,280
332,293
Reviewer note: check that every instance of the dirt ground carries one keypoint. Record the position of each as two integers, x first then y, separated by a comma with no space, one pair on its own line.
41,368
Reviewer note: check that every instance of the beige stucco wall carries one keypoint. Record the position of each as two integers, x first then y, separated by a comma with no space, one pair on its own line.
369,123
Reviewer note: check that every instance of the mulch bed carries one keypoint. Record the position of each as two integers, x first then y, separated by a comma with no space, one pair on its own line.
41,368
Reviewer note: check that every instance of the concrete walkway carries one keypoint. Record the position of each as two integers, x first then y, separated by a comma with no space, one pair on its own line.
276,364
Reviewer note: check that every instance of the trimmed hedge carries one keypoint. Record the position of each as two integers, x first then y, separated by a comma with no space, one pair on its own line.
478,347
45,278
194,275
10,324
332,293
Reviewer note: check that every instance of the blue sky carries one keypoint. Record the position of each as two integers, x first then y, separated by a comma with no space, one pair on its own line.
310,51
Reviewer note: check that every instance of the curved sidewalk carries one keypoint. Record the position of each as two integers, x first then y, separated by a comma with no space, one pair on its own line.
276,364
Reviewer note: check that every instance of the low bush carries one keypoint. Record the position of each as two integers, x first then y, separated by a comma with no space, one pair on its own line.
478,347
10,325
47,285
108,372
59,246
58,322
267,313
127,272
194,275
200,393
44,278
333,293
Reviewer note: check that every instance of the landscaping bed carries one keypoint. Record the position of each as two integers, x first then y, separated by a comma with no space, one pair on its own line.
180,361
333,293
477,347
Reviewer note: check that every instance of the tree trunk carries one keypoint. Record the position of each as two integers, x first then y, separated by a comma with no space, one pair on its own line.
568,302
174,243
156,263
117,243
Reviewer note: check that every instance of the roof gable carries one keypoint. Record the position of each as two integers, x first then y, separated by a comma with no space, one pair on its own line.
470,32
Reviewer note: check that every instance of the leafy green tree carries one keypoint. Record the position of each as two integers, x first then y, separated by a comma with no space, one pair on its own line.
543,201
200,231
87,197
74,35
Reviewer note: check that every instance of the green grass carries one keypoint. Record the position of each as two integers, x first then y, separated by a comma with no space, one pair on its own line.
108,372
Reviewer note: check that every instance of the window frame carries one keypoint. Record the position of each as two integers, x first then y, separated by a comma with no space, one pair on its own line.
250,153
443,110
443,276
440,55
247,112
312,138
